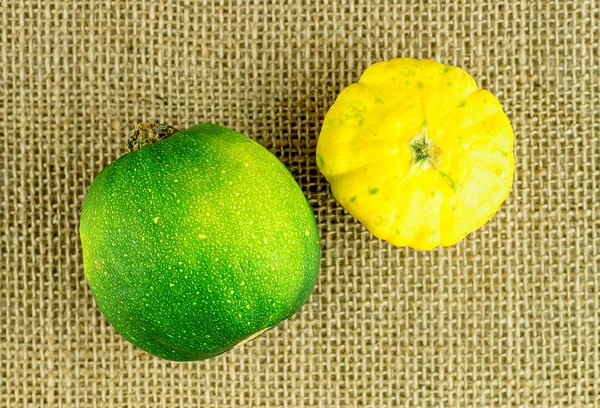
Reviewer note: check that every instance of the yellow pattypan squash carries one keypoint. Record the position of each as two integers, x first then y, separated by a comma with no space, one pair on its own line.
417,152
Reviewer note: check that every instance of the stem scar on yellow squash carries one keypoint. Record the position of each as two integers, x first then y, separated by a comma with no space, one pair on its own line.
417,152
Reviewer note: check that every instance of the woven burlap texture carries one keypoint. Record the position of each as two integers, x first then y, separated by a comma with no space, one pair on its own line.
508,317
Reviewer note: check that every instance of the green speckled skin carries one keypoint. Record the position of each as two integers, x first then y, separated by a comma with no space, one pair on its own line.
196,242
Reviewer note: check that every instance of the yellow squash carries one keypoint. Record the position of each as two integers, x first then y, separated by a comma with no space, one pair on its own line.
417,152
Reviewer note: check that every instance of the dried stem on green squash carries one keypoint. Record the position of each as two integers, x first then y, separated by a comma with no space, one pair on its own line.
148,133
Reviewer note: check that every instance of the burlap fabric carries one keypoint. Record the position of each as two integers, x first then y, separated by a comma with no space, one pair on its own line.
509,317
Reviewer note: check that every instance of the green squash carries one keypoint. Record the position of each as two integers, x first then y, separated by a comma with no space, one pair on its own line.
198,242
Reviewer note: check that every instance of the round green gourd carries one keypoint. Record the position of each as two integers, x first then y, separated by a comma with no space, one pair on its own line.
197,243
